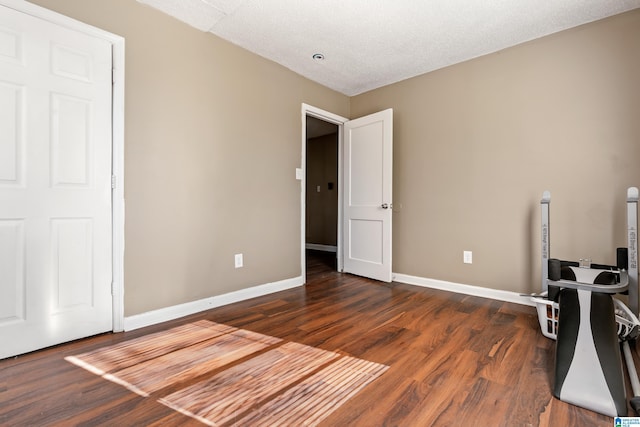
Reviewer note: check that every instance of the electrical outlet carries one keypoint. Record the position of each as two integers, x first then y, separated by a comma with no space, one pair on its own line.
467,257
238,260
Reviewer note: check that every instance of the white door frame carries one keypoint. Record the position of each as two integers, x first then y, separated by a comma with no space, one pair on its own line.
117,128
308,110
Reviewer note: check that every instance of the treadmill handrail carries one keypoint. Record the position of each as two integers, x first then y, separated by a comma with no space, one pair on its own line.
605,289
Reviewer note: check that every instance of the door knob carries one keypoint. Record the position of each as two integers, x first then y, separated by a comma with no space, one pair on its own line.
385,206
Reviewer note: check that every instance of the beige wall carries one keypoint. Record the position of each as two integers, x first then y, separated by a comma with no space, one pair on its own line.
477,143
213,137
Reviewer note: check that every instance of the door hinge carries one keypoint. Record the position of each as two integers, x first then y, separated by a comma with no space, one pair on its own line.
113,181
113,76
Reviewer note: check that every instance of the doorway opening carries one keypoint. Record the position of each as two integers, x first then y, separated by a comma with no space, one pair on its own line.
321,123
365,178
322,193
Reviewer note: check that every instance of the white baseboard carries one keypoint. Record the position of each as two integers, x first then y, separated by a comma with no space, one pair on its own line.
318,247
174,312
459,288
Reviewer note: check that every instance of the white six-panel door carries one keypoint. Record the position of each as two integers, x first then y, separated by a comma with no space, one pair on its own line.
367,195
55,184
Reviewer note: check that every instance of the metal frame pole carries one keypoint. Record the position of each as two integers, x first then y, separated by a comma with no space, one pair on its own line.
632,245
544,207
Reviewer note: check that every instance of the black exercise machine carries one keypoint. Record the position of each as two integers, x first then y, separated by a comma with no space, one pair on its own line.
577,309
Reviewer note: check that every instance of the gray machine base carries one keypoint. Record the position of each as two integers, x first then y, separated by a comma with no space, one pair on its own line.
588,362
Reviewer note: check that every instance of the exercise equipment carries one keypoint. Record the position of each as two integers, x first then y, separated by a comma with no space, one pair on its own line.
577,309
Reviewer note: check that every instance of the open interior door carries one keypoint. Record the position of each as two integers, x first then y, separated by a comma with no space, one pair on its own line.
368,151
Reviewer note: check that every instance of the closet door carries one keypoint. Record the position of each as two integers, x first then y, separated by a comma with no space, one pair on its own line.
55,184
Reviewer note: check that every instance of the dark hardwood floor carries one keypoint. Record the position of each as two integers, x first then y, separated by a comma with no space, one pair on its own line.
454,360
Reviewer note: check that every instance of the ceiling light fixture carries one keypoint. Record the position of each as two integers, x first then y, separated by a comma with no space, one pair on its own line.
318,56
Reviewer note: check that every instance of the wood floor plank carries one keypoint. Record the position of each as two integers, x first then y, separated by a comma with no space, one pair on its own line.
388,402
484,399
315,398
182,364
227,395
142,349
188,363
451,358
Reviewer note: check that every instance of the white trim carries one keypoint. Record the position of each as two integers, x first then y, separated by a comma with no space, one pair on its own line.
459,288
59,19
340,240
117,194
174,312
308,110
319,247
117,166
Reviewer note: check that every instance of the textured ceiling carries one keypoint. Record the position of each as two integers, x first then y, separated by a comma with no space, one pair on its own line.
372,43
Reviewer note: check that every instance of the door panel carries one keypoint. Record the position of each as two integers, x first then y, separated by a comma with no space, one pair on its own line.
368,195
10,46
55,184
366,164
72,263
71,63
361,249
11,147
70,140
12,284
